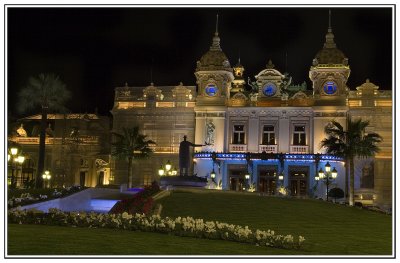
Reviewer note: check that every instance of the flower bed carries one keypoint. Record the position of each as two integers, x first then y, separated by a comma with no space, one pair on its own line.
27,198
141,202
181,226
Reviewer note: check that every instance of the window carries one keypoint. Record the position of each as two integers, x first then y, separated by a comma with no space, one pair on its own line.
238,134
268,135
299,135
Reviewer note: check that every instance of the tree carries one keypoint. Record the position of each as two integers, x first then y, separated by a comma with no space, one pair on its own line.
49,93
350,144
130,145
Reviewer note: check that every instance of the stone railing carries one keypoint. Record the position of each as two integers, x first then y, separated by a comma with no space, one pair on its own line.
237,148
57,140
299,149
268,148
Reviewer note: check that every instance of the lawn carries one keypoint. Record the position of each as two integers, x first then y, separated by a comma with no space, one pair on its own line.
329,229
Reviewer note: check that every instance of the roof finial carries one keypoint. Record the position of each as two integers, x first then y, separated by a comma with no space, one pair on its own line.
151,71
216,27
330,27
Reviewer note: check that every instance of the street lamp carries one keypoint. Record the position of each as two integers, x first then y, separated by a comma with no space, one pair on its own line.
168,166
280,177
166,170
328,176
46,177
161,171
14,156
212,174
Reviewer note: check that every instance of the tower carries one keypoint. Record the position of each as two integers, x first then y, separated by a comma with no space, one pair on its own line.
214,75
329,72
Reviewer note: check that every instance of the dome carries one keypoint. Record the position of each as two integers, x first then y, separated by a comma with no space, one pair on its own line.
215,58
330,54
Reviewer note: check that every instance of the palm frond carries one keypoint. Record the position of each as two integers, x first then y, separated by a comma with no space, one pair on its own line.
45,90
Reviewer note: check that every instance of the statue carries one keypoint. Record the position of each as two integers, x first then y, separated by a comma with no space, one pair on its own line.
21,131
184,156
49,131
210,128
253,85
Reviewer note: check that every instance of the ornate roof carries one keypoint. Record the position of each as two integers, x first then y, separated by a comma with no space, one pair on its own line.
330,54
269,71
215,58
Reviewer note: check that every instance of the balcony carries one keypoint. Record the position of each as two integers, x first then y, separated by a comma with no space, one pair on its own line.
56,140
299,149
268,148
237,148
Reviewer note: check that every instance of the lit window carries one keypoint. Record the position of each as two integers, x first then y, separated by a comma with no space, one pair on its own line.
238,134
299,135
268,135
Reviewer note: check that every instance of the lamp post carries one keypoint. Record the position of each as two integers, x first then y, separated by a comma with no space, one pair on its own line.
46,177
166,170
328,177
247,177
15,158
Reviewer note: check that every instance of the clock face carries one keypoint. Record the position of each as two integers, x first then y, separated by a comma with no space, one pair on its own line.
211,90
269,89
330,87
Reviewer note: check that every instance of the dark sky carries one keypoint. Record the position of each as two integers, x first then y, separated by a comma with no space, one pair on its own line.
94,50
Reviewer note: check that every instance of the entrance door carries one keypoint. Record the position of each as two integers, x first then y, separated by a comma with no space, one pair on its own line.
267,185
298,182
237,184
82,178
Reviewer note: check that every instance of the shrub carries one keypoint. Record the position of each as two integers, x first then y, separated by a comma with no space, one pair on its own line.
141,202
336,193
180,226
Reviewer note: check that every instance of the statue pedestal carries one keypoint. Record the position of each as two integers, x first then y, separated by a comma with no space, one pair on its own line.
188,181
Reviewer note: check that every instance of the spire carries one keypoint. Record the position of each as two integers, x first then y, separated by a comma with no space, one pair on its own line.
216,27
329,42
216,40
329,22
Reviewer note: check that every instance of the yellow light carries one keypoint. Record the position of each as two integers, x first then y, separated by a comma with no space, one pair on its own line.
161,171
168,166
212,174
321,173
334,173
46,172
21,159
327,167
14,151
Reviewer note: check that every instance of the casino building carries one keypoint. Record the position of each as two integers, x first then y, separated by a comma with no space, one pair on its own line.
266,128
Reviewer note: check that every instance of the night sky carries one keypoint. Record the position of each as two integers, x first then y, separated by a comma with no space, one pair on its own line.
94,50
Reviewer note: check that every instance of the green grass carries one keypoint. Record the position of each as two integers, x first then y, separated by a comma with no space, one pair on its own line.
329,229
55,240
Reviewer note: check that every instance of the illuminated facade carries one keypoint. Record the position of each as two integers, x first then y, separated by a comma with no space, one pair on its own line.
165,114
263,128
77,149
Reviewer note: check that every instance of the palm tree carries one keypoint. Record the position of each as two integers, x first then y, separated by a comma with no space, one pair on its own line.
47,92
131,145
350,144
